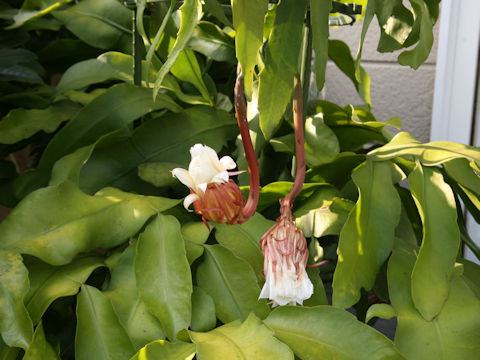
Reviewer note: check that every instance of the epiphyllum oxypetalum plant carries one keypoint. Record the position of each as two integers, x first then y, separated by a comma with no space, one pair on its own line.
212,193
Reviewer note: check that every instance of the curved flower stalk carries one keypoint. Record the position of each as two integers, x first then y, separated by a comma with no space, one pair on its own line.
284,247
212,193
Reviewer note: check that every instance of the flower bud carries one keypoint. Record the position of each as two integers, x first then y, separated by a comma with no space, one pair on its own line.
222,203
285,256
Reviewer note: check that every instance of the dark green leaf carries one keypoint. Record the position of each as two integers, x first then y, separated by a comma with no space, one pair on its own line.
99,332
48,283
105,24
25,14
20,124
209,40
163,274
367,237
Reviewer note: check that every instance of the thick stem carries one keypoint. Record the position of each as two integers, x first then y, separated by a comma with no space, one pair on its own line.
287,202
241,112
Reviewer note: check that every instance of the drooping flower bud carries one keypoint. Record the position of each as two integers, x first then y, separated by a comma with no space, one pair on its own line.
213,195
285,256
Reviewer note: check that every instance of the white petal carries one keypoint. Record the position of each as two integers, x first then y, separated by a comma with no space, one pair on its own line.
220,177
227,163
184,177
204,164
202,187
189,200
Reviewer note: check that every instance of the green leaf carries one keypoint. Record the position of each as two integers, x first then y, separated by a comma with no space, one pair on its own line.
214,7
48,283
15,323
465,177
8,353
276,78
319,15
99,332
325,332
471,276
195,235
383,311
75,222
163,274
319,297
141,326
187,68
367,237
321,144
209,40
166,138
433,269
248,19
103,114
243,240
232,284
20,123
162,349
250,340
105,24
429,154
40,348
203,311
417,56
339,53
25,15
190,10
20,73
157,173
452,334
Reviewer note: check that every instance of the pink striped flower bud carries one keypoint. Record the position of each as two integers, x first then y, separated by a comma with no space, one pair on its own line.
285,256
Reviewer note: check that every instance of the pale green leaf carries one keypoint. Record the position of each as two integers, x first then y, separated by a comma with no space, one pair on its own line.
75,222
162,349
232,284
163,274
319,15
250,340
325,332
367,237
141,326
195,235
248,19
321,144
383,311
99,336
203,311
15,323
432,273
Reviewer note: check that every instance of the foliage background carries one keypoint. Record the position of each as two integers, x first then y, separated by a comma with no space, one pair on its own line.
99,260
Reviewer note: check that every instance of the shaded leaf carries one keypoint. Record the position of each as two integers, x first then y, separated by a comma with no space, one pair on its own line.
319,15
209,40
203,311
99,332
40,348
195,235
27,14
163,274
48,283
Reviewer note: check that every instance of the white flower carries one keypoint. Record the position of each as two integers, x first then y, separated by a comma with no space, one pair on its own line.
204,168
285,251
